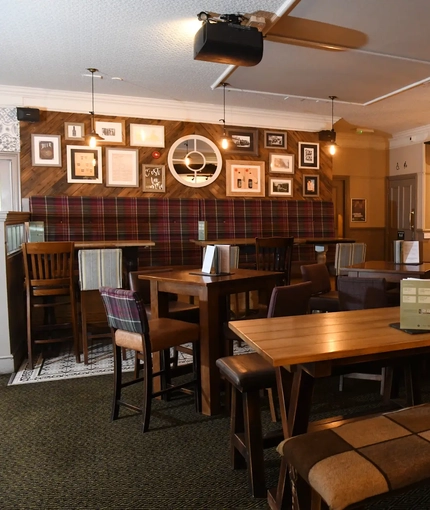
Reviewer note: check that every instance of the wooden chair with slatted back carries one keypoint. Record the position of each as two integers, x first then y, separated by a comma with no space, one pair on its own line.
97,268
50,287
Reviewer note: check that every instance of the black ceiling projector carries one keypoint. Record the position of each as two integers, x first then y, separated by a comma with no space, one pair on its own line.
228,43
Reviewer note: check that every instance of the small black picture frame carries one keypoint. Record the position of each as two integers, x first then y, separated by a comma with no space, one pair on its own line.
244,141
309,155
311,186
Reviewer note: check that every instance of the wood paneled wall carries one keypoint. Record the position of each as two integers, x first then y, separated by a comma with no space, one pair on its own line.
38,180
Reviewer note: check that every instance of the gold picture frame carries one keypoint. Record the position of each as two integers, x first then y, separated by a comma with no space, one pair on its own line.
245,178
74,131
112,133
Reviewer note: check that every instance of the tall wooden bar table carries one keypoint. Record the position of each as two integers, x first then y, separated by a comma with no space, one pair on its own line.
213,293
389,270
130,249
306,347
320,243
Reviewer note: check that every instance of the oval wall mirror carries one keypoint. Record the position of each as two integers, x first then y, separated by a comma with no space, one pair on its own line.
194,161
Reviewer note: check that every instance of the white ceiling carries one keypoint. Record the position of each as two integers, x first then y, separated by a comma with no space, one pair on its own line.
380,81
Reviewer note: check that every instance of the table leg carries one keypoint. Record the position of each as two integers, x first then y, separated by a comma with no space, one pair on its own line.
212,316
159,308
298,401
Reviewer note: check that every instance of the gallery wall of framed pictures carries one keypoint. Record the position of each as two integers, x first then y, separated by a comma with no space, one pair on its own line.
134,154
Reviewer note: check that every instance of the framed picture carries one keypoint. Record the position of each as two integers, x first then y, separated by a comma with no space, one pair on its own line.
309,155
111,132
122,167
154,178
245,141
275,139
280,187
84,164
146,135
311,185
74,131
282,163
358,210
46,150
245,178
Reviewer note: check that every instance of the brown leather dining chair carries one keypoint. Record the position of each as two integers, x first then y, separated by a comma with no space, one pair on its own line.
131,329
323,299
50,288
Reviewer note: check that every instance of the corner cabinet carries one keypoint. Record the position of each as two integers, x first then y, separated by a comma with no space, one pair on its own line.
12,296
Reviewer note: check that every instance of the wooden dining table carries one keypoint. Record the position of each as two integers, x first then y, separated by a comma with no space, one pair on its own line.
130,249
213,294
389,270
305,348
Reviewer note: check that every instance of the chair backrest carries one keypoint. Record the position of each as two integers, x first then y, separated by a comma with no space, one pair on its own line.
290,300
361,293
143,286
319,276
348,254
100,268
48,267
274,254
125,310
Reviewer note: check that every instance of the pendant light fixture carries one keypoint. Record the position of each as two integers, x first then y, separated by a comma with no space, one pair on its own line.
332,148
93,137
225,140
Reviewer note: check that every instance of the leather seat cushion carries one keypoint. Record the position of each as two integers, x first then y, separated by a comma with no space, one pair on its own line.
164,333
247,372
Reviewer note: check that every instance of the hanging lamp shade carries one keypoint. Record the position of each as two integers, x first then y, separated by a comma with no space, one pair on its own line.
92,138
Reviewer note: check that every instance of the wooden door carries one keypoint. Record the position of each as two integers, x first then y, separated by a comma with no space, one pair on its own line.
401,205
338,191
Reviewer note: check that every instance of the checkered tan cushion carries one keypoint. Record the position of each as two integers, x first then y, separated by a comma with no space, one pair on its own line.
125,310
359,460
100,268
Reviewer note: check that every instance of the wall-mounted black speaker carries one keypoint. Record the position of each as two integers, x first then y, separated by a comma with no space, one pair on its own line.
327,135
28,114
227,43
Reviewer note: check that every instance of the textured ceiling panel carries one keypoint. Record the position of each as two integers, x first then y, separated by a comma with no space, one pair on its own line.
149,44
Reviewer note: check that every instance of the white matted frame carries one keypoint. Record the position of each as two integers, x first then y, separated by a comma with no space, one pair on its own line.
311,185
74,131
122,167
84,164
280,187
282,163
146,135
245,178
45,150
358,210
111,132
309,155
275,139
154,178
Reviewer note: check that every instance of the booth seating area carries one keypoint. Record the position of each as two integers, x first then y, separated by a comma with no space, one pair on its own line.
171,223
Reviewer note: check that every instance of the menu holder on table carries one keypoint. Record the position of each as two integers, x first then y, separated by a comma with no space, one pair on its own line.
414,304
216,261
407,252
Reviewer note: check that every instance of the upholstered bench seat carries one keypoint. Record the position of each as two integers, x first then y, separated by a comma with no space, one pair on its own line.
364,459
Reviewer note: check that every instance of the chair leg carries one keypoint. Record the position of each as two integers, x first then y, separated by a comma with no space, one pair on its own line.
29,340
272,406
237,427
117,381
254,446
196,370
147,394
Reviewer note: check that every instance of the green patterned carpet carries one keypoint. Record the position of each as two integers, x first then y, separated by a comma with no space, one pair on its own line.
59,450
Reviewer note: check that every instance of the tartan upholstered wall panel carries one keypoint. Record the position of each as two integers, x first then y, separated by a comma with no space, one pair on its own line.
172,222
